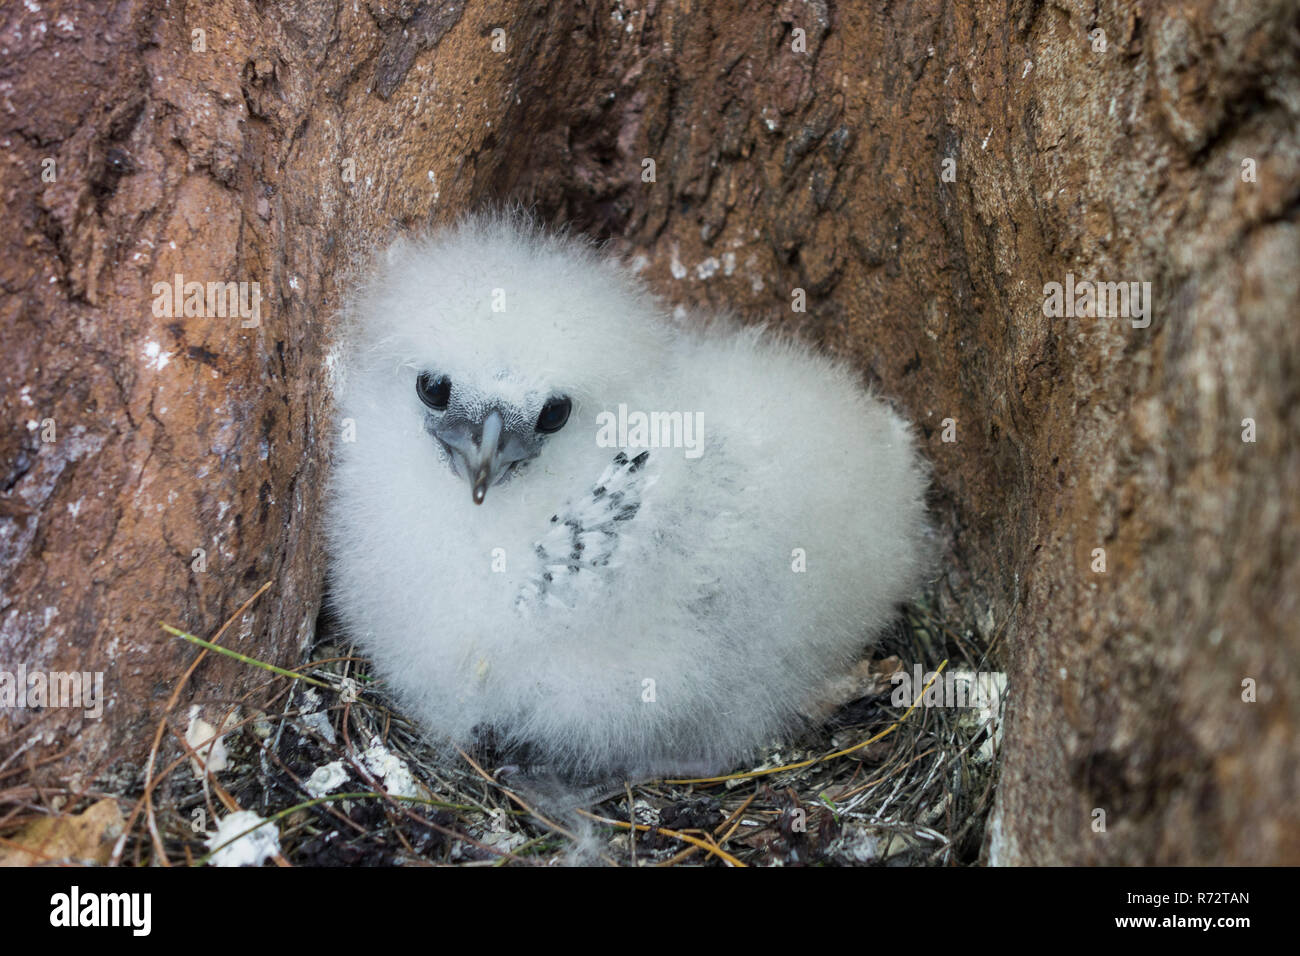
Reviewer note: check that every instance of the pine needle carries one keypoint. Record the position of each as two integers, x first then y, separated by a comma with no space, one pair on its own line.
242,657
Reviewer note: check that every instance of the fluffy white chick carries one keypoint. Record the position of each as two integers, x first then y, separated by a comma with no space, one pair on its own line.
608,610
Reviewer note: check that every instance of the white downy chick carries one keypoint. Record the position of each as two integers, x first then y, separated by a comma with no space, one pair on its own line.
524,556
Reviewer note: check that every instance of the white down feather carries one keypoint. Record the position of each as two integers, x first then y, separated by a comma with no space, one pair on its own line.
697,642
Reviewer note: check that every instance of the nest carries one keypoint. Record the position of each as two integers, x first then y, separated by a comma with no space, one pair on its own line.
346,780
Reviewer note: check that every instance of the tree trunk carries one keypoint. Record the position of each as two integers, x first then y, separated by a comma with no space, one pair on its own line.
916,173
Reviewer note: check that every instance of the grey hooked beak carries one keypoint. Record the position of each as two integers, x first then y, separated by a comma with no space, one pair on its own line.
483,465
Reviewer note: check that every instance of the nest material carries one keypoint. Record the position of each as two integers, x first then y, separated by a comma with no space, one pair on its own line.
347,780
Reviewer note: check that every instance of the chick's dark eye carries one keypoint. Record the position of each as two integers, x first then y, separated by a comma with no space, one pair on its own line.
554,414
434,390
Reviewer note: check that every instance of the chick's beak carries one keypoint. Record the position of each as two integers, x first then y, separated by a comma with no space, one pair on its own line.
481,480
483,461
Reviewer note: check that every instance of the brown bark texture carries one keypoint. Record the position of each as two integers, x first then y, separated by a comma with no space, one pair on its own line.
919,170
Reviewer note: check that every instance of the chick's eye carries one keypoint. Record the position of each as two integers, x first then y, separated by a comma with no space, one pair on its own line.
434,390
554,414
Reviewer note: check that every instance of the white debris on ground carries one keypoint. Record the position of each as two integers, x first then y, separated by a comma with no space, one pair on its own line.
390,769
329,777
645,813
207,743
314,719
864,845
985,694
505,841
251,849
